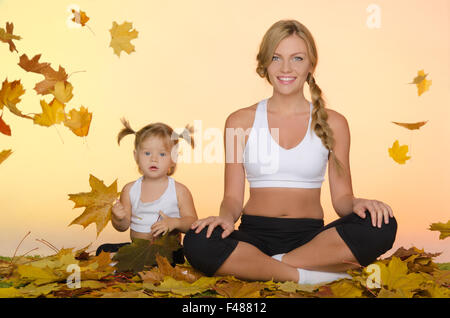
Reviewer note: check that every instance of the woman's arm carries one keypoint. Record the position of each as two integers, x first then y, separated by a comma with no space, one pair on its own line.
344,202
233,198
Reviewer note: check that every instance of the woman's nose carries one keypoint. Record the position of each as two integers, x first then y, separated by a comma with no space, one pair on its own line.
286,66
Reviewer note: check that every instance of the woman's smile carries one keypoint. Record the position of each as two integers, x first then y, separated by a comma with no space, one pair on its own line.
286,80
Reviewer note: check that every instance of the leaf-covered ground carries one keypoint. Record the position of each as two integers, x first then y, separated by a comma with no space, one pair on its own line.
407,274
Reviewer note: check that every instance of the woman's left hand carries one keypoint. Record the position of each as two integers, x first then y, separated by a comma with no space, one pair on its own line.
377,209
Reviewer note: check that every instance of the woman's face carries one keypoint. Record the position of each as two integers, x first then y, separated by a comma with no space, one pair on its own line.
290,66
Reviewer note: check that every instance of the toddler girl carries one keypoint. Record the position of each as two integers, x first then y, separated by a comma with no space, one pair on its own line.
154,204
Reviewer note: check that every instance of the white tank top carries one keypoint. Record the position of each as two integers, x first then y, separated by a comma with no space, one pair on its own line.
269,165
143,215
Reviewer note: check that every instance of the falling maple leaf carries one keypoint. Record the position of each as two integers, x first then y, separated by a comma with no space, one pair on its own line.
62,91
7,36
80,17
444,228
10,96
398,153
121,35
79,121
98,203
51,76
52,113
4,128
411,126
5,154
141,253
421,82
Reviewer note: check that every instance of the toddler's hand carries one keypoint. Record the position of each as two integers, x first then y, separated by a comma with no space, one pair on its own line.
118,211
161,227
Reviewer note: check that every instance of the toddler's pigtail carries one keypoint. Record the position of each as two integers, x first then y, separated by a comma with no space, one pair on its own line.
186,134
125,131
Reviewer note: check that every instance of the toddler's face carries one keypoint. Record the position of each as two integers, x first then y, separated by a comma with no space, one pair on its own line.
154,157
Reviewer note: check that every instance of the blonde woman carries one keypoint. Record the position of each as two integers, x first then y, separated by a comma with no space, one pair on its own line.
282,234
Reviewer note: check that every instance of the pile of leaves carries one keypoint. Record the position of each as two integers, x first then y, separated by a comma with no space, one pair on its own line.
408,273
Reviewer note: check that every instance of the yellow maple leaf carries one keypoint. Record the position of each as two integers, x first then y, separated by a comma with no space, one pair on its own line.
183,288
421,82
62,91
396,278
79,121
98,203
6,35
444,228
346,289
10,96
5,154
398,153
52,113
121,35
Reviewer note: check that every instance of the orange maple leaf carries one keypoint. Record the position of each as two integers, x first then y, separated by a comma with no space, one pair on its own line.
80,17
411,126
10,96
79,121
4,128
5,154
98,203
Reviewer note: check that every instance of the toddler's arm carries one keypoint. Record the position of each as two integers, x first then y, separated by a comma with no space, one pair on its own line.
121,210
188,215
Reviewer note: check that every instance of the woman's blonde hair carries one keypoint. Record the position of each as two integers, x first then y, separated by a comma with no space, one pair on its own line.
277,32
161,130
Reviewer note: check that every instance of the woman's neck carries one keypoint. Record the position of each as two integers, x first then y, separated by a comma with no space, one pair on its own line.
288,104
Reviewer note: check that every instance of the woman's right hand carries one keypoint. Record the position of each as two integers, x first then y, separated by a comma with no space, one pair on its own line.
226,224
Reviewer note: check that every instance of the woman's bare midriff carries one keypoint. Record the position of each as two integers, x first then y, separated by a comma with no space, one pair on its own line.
284,203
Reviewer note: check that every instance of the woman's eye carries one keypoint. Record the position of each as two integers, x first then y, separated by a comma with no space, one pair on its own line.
298,57
274,57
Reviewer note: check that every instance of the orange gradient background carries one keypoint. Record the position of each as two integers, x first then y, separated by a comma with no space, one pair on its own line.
196,60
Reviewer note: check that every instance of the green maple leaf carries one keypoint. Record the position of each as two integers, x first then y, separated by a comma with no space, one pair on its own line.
141,253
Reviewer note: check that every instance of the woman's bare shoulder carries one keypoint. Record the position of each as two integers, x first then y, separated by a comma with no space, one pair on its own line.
336,120
242,117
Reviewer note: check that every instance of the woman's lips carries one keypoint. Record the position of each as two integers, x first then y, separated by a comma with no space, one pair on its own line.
286,80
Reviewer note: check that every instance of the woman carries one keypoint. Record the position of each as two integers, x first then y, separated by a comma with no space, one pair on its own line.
282,235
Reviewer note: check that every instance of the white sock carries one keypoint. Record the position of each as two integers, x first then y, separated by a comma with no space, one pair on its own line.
278,257
316,277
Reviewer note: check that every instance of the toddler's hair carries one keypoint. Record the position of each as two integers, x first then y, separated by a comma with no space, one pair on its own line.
161,130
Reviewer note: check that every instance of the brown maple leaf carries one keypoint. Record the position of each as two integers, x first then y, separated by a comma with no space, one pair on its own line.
51,76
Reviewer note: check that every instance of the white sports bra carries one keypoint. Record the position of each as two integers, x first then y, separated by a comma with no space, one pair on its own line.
267,164
144,214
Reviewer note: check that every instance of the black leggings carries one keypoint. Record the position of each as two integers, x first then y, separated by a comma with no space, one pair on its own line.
282,235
